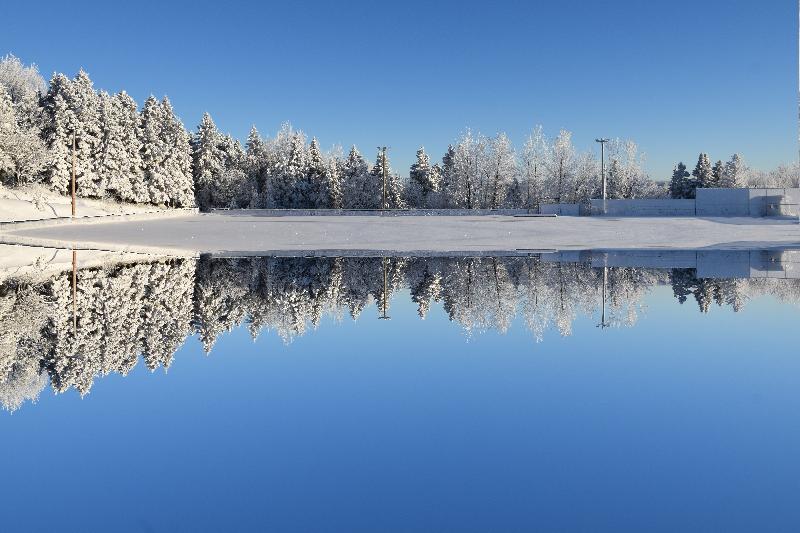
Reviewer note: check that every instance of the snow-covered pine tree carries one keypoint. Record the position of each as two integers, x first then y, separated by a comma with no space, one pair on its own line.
703,173
394,186
289,189
232,187
178,186
153,149
734,175
717,174
208,160
449,189
258,166
120,162
424,181
333,176
59,123
85,103
678,185
355,175
315,181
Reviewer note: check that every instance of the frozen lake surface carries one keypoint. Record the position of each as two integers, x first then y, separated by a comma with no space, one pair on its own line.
245,232
576,391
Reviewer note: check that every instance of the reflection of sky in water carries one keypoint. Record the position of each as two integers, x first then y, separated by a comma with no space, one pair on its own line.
683,422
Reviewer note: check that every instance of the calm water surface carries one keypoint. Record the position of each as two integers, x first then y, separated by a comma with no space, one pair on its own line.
573,392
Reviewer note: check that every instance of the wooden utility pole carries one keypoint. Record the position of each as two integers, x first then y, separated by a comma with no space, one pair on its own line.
74,292
74,149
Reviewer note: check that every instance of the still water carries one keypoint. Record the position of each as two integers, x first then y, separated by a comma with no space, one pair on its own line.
614,391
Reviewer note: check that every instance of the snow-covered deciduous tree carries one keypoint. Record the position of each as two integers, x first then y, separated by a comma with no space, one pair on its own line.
560,164
501,166
532,172
23,156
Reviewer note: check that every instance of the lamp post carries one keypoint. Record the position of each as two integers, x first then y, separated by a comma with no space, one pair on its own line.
603,142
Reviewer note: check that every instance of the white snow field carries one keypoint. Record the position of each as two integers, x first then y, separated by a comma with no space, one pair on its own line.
37,202
239,232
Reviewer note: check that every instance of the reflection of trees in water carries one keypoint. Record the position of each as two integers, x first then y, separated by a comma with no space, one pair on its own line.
149,309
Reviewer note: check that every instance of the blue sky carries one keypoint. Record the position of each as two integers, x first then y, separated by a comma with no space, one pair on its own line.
678,77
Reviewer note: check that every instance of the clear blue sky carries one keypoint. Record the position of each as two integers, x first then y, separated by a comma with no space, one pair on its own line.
678,77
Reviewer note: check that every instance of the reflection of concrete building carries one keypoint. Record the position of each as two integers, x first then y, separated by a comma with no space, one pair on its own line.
724,264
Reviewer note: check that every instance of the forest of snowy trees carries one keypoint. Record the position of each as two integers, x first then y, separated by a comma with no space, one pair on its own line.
148,309
146,155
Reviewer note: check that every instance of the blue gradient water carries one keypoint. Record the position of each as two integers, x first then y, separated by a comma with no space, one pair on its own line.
684,422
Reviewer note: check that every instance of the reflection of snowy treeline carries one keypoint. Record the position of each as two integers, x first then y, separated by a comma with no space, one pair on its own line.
114,315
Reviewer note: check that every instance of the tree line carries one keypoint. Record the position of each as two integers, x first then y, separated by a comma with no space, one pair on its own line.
146,155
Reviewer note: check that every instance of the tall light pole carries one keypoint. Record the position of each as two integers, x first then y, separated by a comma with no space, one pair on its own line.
382,150
603,142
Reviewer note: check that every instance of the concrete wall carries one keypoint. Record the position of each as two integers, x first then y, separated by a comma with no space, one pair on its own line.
723,202
645,207
571,210
710,203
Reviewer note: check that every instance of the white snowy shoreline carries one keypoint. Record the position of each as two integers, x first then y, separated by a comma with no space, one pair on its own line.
242,232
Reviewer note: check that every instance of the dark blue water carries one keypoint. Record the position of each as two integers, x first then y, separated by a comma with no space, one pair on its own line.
681,420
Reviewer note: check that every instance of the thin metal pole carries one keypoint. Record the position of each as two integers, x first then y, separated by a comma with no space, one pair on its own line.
384,316
74,147
603,142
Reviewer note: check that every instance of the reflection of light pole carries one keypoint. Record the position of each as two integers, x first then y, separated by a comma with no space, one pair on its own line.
384,316
603,324
74,292
603,142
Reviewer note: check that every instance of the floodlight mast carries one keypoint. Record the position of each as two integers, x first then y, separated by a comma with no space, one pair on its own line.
603,142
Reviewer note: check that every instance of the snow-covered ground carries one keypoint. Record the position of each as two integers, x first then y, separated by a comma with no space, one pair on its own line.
36,202
252,234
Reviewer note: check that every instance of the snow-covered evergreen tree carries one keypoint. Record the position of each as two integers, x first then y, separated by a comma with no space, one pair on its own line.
679,186
703,173
735,171
717,174
394,186
424,181
360,191
177,166
208,160
120,162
